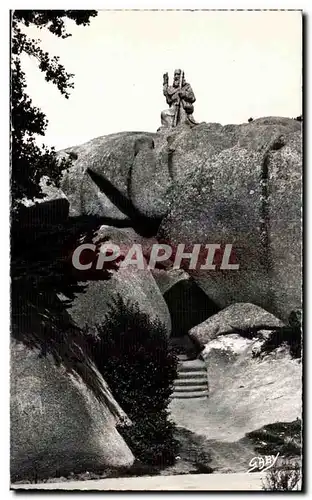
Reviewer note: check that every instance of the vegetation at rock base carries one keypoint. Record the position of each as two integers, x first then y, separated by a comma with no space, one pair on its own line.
290,334
280,437
29,161
132,353
283,478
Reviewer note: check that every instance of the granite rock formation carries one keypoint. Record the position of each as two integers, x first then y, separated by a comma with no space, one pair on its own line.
135,287
238,184
58,425
235,318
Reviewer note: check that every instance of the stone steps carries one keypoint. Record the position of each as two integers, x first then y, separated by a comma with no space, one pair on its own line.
190,395
183,357
190,388
192,380
192,365
195,374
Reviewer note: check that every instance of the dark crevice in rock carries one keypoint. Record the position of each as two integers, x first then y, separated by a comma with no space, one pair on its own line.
265,255
264,216
278,143
171,150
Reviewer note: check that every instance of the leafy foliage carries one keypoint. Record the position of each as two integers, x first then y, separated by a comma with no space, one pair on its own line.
285,478
132,353
290,334
41,236
29,161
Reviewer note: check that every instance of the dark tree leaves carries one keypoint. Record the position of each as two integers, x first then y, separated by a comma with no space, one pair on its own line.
29,161
41,243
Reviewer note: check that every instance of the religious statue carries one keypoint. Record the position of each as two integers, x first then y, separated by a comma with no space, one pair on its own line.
180,98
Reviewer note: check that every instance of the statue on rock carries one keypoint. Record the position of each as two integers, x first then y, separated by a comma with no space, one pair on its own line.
180,97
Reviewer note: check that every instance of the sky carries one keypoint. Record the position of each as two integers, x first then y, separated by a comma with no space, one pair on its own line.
239,64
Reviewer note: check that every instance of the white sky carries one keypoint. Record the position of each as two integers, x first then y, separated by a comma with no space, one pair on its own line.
240,64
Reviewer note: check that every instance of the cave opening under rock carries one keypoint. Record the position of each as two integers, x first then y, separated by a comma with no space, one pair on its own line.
189,306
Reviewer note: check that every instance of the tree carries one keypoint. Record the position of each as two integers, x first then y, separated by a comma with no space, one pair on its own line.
132,353
42,238
29,161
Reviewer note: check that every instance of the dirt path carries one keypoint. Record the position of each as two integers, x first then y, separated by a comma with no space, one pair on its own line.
203,482
244,396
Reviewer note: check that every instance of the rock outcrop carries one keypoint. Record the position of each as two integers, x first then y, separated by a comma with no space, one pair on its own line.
233,319
58,425
238,184
249,392
226,196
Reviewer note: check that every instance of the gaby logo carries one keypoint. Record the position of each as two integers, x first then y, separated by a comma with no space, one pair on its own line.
262,463
200,257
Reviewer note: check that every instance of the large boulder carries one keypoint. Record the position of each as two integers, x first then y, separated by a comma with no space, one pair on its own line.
237,317
58,425
99,182
238,184
248,195
247,392
133,285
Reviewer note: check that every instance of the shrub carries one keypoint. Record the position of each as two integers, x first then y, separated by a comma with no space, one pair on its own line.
290,334
285,478
132,353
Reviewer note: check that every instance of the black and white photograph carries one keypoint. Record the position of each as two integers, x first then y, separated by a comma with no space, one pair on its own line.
156,220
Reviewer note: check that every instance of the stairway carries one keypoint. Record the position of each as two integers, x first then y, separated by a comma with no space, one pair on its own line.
192,381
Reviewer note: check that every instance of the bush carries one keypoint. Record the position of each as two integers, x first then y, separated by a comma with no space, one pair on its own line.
132,353
285,478
151,439
291,335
